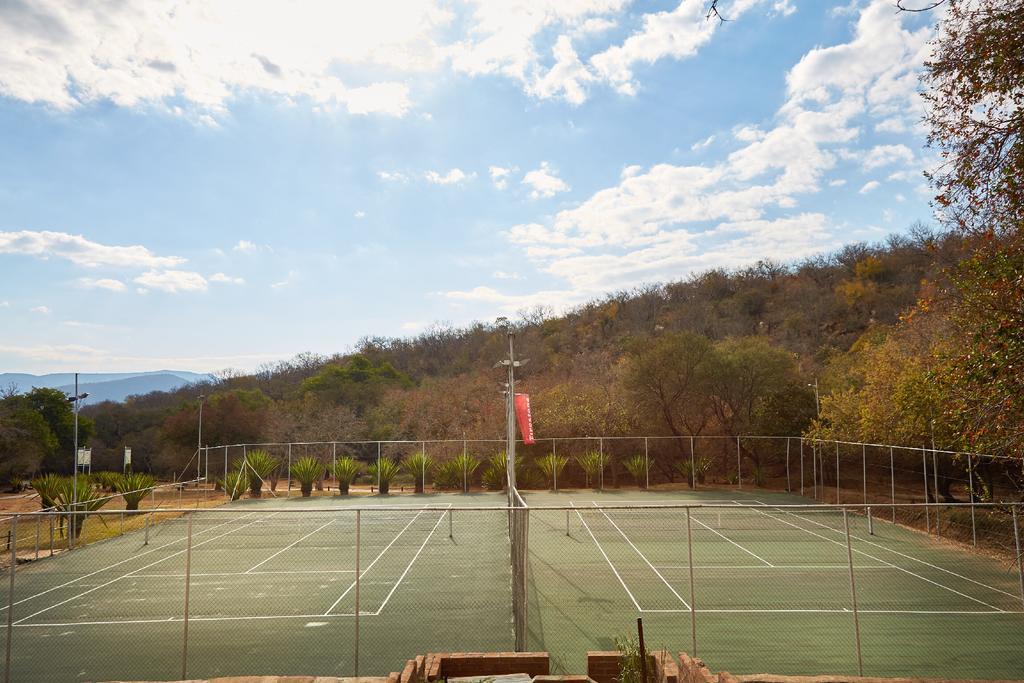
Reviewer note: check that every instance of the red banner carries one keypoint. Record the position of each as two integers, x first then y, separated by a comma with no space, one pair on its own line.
524,417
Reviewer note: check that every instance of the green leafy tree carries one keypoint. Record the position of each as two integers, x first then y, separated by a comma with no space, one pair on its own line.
52,405
26,440
358,383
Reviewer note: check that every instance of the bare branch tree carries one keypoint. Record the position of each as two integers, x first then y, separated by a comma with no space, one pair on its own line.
927,8
713,12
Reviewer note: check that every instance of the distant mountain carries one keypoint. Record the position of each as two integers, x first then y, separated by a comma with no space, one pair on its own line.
108,386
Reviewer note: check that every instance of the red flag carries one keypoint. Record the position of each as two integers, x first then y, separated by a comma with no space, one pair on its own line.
524,417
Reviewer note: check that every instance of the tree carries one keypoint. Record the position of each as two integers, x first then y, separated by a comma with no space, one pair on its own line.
25,439
669,376
358,383
55,409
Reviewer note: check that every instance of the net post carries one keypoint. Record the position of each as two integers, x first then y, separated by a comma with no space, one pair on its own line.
188,577
871,523
566,522
450,523
935,482
1016,541
739,465
970,491
693,605
120,530
927,512
892,483
146,537
853,591
789,488
356,655
10,600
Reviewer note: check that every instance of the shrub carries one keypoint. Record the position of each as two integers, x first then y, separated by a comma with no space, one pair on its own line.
46,487
591,463
551,465
106,480
700,467
85,500
259,464
468,465
346,469
417,465
133,487
631,660
236,482
637,468
307,470
495,478
448,476
383,471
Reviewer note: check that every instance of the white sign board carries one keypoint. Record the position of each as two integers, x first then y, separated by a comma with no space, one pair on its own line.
84,457
127,456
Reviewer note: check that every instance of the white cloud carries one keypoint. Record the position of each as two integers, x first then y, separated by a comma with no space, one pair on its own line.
411,326
5,304
783,7
44,310
567,78
392,176
228,279
499,175
81,251
172,281
545,182
288,281
748,133
454,176
838,182
246,247
101,283
502,275
359,214
702,144
886,155
869,186
893,124
65,53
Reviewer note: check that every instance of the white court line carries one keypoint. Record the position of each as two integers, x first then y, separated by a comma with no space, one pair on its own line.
116,564
151,564
414,557
290,545
911,557
878,559
363,572
275,617
749,552
614,570
263,573
644,558
774,566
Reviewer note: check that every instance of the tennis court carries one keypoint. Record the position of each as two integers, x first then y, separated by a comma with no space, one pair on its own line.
271,588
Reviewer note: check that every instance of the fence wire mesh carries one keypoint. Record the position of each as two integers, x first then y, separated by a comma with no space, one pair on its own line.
356,588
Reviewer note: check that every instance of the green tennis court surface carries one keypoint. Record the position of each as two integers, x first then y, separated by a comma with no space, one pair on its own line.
272,589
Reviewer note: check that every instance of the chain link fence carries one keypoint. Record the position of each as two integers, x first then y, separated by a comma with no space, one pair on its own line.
258,588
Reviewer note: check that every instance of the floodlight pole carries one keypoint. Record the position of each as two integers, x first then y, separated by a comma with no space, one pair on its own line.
510,399
76,402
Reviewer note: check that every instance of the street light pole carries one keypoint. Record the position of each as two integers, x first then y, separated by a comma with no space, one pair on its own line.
76,402
510,415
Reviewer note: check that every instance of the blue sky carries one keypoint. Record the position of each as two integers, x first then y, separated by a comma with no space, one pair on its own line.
209,185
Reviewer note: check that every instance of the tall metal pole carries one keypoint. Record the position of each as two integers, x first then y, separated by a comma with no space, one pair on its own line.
924,469
970,489
789,489
801,465
693,602
72,521
188,581
853,592
357,592
10,597
510,399
892,483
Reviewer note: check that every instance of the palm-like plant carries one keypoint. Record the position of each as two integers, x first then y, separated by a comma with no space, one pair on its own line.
448,475
384,470
637,467
46,487
696,470
346,469
81,499
307,471
418,464
468,465
259,464
235,483
106,480
591,463
495,475
551,465
133,487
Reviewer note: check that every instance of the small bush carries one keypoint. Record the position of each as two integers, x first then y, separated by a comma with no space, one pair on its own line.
551,466
46,487
418,465
591,463
468,465
259,464
495,478
346,469
448,476
384,471
133,487
308,471
637,468
699,468
236,483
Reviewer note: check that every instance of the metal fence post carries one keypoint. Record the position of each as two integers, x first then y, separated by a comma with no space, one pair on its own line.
188,576
50,517
224,482
801,465
970,489
927,513
837,472
647,466
935,481
693,466
600,445
39,522
739,465
554,466
864,466
356,660
1016,541
693,603
853,592
378,467
789,489
814,467
334,462
10,600
892,483
289,492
